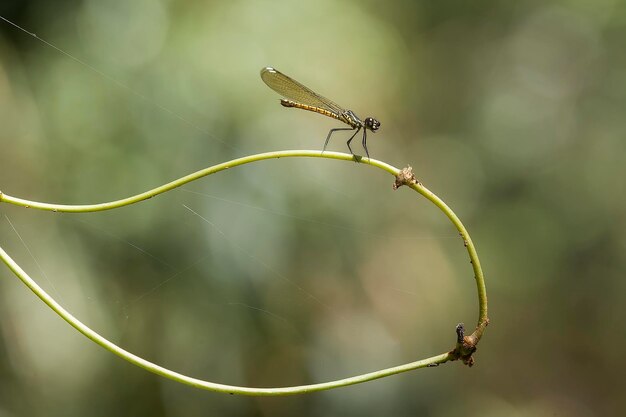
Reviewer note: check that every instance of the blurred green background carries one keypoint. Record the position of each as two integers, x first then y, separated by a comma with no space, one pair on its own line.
296,271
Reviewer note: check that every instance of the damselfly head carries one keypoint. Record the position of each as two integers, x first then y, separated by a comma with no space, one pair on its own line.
372,124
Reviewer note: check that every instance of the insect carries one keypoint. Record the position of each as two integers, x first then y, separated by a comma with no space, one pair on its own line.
301,97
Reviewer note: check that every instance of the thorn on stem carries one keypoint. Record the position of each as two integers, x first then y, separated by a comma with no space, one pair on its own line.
460,332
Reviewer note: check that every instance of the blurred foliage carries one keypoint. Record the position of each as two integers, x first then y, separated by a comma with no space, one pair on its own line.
513,112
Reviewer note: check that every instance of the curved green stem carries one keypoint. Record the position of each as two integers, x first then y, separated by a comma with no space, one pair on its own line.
85,208
483,318
149,366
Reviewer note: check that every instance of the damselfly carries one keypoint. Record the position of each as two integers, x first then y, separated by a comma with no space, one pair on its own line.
298,96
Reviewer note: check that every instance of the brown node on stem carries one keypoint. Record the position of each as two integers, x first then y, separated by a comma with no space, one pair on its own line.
465,346
405,177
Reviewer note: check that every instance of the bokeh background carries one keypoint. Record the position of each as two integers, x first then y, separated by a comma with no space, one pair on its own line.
295,271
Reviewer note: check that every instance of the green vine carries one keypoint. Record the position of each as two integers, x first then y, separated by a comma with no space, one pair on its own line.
463,350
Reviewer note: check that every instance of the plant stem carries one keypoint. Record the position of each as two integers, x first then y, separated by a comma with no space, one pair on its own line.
159,370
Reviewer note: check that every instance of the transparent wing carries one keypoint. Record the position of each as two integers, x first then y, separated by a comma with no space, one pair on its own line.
293,90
